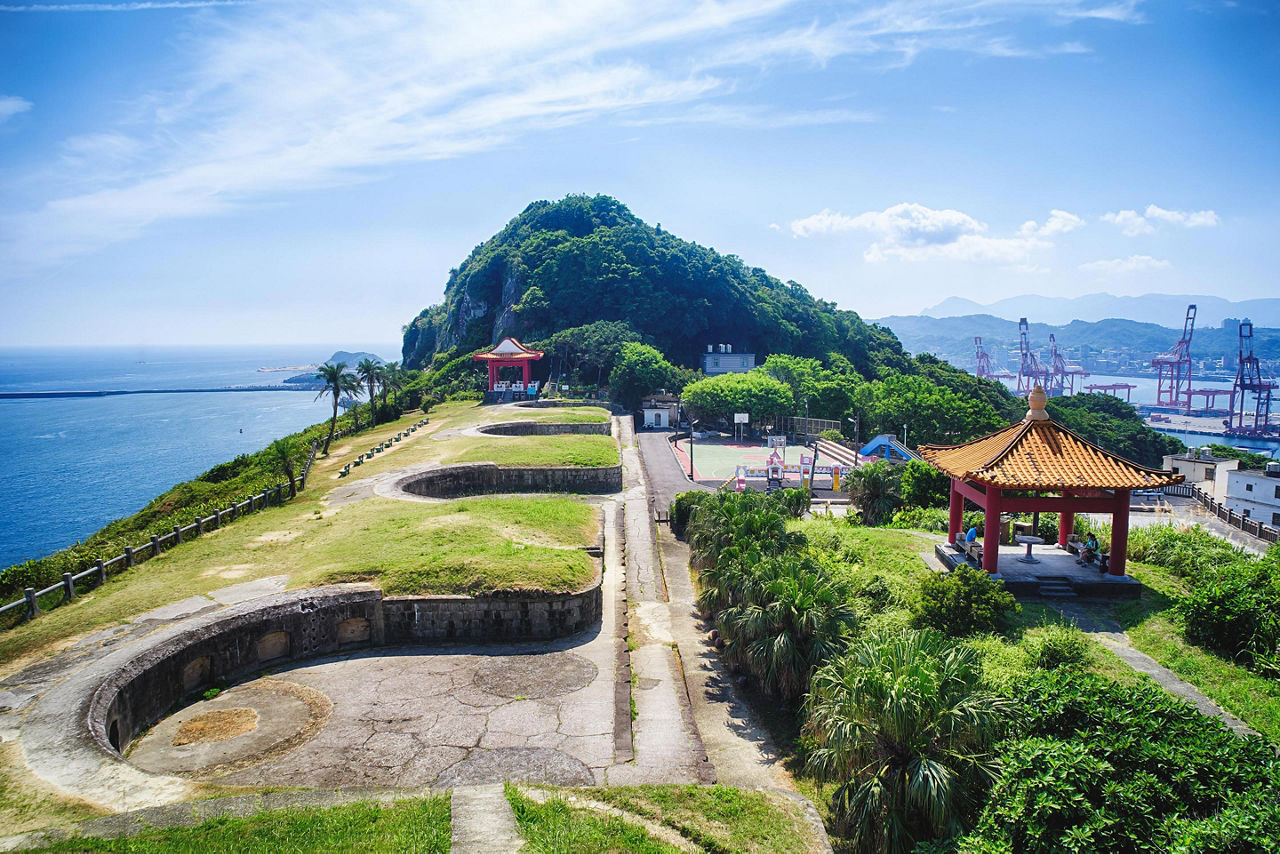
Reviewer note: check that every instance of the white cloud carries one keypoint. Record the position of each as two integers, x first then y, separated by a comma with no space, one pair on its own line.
1059,222
1187,219
1125,266
296,95
11,105
913,232
1132,223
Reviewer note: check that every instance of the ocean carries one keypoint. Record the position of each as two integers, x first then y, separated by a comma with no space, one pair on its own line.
75,464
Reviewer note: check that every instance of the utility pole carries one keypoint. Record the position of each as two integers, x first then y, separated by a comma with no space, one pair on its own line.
904,435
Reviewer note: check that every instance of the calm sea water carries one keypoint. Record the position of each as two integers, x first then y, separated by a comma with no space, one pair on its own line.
71,465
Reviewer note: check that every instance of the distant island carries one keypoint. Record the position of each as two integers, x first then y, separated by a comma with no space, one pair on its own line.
308,378
294,368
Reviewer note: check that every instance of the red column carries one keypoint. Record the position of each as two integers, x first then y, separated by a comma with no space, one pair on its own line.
956,519
1066,522
493,375
525,365
1119,533
991,536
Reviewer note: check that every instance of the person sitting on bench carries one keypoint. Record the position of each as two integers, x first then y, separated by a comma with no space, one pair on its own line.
1089,550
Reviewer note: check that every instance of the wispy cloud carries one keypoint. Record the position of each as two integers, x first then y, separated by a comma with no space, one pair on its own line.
289,95
1125,266
1059,222
11,105
914,232
121,7
1132,223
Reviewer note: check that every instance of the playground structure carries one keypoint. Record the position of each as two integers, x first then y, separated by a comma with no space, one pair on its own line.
984,370
1062,380
1031,371
1241,421
1173,369
775,472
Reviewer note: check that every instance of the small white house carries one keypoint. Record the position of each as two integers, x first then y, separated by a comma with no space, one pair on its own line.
1253,494
660,411
720,359
1199,465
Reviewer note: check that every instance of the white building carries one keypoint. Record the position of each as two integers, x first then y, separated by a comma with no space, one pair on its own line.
1253,494
1198,466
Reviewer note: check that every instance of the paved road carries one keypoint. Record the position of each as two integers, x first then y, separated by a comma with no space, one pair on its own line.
665,477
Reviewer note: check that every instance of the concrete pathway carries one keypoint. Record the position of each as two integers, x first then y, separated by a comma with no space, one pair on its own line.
666,742
1110,634
483,822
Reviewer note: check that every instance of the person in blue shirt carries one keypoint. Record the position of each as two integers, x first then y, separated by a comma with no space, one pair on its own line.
971,535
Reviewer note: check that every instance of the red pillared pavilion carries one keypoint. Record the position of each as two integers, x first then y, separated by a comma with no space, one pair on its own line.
508,353
1010,471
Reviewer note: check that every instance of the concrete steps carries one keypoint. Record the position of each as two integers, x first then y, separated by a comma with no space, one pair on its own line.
1056,587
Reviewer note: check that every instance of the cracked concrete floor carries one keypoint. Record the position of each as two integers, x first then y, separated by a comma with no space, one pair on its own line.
416,717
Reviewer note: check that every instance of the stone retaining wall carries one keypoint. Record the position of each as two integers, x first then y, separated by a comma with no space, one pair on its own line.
486,478
291,626
557,402
533,428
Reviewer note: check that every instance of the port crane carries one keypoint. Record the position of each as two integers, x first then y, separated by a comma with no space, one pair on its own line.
1031,371
983,358
1249,381
1173,369
1063,378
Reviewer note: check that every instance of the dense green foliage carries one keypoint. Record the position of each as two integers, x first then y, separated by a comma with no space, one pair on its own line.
1102,767
965,601
934,414
588,258
1234,608
875,491
755,393
924,486
640,370
1248,459
903,726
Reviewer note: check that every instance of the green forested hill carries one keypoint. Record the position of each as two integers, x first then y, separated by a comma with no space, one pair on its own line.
582,259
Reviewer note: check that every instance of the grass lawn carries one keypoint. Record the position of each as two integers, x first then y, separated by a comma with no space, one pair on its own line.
1153,629
557,828
566,414
416,825
717,818
464,546
567,450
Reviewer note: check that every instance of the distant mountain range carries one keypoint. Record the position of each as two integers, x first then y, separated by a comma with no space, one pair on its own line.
1167,310
1107,346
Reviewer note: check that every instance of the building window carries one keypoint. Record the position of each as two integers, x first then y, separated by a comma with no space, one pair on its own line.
1248,487
1278,492
1244,514
1175,470
1275,520
1208,473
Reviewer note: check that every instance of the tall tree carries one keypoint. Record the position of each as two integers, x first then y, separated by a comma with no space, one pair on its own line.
875,489
337,382
284,455
640,370
368,371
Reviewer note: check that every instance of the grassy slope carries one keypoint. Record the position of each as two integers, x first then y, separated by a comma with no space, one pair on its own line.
415,825
1153,629
557,828
276,540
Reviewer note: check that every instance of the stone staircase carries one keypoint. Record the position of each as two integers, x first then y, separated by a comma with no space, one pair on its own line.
1055,587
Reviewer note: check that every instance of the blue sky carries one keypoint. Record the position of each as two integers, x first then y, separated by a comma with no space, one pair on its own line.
226,172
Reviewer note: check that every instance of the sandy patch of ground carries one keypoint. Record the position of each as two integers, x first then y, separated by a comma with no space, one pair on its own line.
268,537
218,725
236,570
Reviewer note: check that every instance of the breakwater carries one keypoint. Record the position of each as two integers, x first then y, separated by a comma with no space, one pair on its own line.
39,395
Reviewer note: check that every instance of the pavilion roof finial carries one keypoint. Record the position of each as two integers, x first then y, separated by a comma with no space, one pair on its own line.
1035,403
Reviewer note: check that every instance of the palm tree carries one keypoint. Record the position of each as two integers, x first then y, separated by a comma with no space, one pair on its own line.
337,382
874,490
791,619
284,454
392,378
903,728
368,371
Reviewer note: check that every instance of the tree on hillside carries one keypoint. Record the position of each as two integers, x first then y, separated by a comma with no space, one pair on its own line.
875,489
933,414
720,396
284,454
369,372
905,731
595,345
640,370
337,382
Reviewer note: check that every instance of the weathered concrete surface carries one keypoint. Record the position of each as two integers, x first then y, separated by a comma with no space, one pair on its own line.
483,822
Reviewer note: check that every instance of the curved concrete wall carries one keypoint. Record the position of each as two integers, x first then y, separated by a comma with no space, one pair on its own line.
302,624
486,478
552,403
533,428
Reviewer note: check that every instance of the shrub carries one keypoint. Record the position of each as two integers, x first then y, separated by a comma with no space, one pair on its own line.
1184,549
963,602
682,507
832,436
1057,646
924,486
792,502
932,519
1235,609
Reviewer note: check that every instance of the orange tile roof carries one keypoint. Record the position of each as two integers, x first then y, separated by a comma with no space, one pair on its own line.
1042,455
